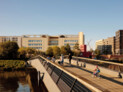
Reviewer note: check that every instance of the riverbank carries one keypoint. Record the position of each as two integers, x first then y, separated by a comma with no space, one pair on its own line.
21,81
11,65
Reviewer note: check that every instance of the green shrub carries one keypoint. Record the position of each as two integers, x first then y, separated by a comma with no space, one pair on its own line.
11,64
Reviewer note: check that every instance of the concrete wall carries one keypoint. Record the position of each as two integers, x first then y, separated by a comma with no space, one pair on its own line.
50,85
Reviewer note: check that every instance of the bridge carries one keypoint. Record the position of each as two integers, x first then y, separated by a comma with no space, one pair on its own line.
76,77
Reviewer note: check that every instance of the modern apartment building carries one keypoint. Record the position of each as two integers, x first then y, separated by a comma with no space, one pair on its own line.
99,45
106,46
119,42
17,39
115,44
42,42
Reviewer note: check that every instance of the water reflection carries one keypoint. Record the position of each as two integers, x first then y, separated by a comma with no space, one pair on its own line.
20,81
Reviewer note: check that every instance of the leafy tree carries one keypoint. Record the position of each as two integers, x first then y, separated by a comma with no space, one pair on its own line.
38,52
30,51
76,46
49,51
68,49
9,50
97,53
56,51
63,50
26,52
76,52
22,52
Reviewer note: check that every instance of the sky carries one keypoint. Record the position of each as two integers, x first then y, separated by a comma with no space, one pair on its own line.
98,19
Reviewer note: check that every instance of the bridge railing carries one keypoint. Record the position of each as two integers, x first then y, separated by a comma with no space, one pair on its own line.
107,64
64,80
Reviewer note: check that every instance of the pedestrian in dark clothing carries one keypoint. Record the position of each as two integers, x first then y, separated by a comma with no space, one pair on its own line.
70,57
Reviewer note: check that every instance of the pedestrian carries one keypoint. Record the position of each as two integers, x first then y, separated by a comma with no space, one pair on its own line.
53,59
62,58
48,57
96,71
70,57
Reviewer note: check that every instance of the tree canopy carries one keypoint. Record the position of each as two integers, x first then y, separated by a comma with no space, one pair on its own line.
63,50
56,51
68,49
49,51
9,50
76,46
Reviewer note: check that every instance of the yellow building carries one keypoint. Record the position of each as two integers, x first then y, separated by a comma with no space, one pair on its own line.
42,42
17,39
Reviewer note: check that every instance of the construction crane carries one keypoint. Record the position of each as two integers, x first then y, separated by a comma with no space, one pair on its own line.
88,44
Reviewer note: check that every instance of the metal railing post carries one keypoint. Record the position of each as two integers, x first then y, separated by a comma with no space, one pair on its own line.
59,77
52,70
47,67
44,63
73,85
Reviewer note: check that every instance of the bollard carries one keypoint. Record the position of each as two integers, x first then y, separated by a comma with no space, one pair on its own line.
84,65
119,75
81,64
77,63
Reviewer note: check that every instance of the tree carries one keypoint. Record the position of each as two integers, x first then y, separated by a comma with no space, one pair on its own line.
97,53
68,49
49,51
30,51
26,52
63,50
22,52
76,52
56,51
76,46
9,50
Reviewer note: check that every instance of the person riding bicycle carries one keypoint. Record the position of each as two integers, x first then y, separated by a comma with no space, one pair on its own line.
96,71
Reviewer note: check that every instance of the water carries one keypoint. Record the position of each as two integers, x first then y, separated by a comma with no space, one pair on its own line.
20,82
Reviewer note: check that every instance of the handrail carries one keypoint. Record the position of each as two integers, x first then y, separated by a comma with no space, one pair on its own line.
98,61
68,78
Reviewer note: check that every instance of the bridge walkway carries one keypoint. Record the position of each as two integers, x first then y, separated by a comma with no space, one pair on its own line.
106,83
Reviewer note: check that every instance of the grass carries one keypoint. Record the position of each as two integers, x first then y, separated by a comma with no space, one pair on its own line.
12,65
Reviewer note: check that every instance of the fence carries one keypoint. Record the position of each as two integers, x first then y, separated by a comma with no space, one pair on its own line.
65,82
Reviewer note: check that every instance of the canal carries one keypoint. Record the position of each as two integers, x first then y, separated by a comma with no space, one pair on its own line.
21,81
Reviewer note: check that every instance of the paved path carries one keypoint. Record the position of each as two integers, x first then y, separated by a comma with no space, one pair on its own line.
106,83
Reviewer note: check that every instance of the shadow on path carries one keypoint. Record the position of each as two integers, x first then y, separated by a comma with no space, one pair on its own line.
102,76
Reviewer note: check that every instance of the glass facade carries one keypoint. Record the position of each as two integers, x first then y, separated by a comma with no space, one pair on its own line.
34,40
70,44
70,40
34,44
53,42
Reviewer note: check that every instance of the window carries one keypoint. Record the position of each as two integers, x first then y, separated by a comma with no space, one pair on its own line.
34,40
70,40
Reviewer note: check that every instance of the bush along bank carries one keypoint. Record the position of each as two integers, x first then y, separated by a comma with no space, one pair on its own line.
10,65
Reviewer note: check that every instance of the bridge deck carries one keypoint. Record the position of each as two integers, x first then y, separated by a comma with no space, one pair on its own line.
106,83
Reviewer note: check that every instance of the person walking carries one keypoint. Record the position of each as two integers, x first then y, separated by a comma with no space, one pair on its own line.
62,58
53,59
70,57
48,57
